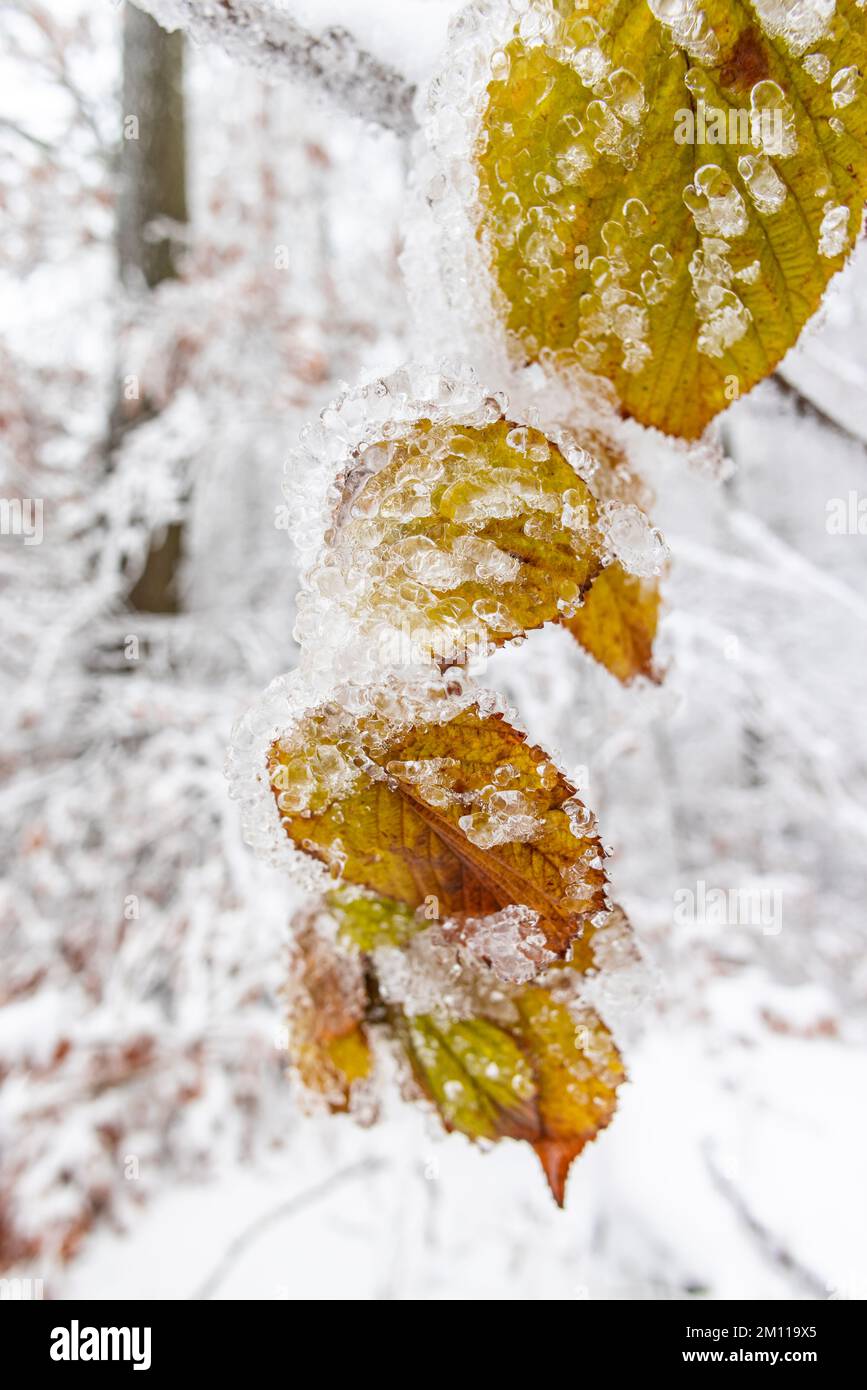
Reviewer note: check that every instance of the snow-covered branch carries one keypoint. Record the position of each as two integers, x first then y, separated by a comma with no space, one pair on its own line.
332,63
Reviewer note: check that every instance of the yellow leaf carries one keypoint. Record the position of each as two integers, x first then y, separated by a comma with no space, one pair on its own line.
419,795
545,1075
326,998
578,1070
617,623
663,200
463,536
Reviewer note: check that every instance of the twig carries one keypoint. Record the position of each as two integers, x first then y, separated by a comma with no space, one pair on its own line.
332,62
761,538
772,1248
805,406
292,1207
14,129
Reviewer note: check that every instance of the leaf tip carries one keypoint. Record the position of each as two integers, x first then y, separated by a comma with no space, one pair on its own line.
556,1157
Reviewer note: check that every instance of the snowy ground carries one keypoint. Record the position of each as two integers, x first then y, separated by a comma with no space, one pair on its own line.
400,1214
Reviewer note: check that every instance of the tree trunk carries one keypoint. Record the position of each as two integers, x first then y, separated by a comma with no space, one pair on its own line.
152,192
153,182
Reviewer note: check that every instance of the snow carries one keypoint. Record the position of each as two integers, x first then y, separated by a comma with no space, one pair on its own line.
150,1123
645,1217
408,34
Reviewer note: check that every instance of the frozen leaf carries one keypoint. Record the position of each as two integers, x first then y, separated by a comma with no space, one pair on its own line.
327,1040
547,1076
460,537
617,623
666,189
477,1076
420,796
367,921
578,1070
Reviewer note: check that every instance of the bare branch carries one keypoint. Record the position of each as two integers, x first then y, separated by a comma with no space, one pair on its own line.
331,63
771,1247
805,406
14,129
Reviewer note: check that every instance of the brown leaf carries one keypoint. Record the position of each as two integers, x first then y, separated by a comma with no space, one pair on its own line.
440,802
541,1073
326,999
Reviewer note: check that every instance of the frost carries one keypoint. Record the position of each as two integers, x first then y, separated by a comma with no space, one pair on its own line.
632,540
772,120
725,318
503,817
845,86
818,66
508,943
750,273
688,25
763,183
716,206
834,231
799,23
316,725
447,264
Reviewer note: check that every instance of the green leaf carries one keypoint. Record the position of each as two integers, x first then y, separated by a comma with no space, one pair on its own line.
547,1077
367,921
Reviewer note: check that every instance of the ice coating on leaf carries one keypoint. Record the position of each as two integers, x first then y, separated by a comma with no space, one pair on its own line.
763,183
688,25
448,528
450,539
551,266
505,1042
818,65
536,1070
500,817
394,702
799,23
772,120
428,976
507,945
845,86
715,205
380,777
723,316
631,540
834,231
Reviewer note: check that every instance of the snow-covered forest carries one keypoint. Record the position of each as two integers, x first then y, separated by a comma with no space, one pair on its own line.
207,234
